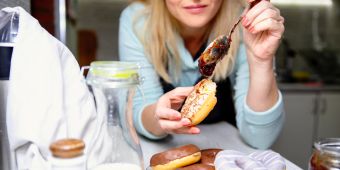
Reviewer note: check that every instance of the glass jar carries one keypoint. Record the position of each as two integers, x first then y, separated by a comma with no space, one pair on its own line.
113,85
326,155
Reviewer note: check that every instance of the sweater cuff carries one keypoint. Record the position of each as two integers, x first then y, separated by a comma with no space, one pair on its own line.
141,129
265,117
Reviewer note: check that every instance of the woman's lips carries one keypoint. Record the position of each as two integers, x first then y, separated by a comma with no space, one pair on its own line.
195,9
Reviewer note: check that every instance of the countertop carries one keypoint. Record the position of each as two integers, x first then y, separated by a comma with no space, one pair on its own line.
308,87
219,135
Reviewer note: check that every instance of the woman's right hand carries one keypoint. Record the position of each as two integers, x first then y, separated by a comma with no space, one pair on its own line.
168,116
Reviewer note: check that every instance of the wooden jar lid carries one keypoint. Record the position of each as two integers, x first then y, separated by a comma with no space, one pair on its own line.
67,148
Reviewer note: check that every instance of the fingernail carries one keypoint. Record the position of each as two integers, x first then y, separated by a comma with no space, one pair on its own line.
244,21
252,30
251,27
178,116
247,23
186,122
195,131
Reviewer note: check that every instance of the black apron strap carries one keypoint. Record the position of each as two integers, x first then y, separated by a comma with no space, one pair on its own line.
5,62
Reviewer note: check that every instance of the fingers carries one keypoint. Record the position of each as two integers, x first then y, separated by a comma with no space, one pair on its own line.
266,14
178,96
167,113
253,13
187,130
168,117
263,17
180,93
180,127
275,26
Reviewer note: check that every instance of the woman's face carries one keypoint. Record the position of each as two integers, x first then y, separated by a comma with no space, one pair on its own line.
193,13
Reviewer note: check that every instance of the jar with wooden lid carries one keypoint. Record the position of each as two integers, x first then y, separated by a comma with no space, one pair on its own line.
68,154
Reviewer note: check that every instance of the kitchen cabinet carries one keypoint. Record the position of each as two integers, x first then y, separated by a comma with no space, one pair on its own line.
310,114
329,115
296,139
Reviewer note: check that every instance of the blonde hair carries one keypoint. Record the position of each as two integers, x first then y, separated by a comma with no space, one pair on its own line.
160,42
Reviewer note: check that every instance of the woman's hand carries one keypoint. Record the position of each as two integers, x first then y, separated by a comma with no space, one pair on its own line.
263,31
166,114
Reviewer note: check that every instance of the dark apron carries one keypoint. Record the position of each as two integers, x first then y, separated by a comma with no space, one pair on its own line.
5,62
224,109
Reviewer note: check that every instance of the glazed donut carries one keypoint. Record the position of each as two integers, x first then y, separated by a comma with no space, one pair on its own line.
175,158
200,101
198,167
208,156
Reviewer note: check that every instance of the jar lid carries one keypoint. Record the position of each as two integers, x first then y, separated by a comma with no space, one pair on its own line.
329,146
113,74
67,148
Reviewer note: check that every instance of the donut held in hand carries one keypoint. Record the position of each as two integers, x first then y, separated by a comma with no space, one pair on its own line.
175,158
200,101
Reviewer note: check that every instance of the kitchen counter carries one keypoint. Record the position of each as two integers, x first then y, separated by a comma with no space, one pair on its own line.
307,87
219,135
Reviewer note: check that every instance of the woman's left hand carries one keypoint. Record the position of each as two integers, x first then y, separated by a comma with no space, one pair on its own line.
263,31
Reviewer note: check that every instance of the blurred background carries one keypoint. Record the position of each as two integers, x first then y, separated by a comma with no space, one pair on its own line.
307,61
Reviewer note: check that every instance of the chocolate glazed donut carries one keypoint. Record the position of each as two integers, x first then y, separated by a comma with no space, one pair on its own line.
198,167
208,156
176,157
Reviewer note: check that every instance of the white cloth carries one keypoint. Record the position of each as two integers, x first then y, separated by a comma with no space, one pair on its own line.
259,160
47,97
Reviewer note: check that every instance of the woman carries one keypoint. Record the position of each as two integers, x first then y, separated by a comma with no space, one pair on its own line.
167,37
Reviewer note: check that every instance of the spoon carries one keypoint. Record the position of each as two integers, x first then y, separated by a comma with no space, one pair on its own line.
218,49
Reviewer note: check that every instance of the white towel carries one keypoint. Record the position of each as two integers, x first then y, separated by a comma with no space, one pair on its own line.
259,160
47,96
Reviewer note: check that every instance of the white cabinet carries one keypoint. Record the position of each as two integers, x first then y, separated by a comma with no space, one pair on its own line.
329,115
310,115
296,138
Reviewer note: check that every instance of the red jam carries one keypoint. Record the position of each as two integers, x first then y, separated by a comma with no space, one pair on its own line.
326,155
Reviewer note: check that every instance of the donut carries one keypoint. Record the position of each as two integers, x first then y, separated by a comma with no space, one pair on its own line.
200,101
67,148
175,158
198,166
208,156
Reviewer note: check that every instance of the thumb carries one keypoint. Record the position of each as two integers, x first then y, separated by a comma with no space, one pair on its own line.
181,91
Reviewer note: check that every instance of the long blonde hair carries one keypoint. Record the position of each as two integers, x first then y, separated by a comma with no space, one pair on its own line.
160,42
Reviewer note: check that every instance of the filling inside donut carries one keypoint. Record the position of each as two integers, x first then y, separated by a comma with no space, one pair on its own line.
198,97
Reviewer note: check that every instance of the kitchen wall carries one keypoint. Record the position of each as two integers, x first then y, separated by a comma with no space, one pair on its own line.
11,3
312,33
300,34
102,16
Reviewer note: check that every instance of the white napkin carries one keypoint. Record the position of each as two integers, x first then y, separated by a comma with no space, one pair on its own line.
47,96
259,160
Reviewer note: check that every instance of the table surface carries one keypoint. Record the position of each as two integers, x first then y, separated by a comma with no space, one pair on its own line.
219,135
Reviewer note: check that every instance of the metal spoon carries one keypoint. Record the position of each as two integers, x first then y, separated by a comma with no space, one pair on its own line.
218,49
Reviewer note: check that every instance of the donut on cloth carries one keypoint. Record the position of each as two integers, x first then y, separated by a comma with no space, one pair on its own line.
259,160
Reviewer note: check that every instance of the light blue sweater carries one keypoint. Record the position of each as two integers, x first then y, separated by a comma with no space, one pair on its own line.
258,129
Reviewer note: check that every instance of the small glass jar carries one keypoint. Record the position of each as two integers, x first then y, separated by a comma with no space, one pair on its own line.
326,155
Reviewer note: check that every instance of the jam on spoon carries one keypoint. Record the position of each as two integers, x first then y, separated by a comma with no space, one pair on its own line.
218,49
